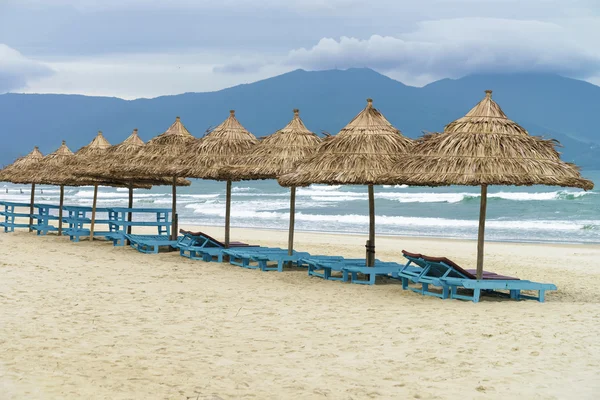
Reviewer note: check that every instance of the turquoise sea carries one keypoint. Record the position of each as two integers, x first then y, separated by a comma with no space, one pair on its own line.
524,214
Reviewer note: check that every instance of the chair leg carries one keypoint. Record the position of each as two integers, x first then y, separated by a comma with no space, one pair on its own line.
476,295
345,276
444,292
542,296
404,283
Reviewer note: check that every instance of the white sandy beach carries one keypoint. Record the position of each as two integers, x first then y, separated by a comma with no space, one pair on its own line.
91,321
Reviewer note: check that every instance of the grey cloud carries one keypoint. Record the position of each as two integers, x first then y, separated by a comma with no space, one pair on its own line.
458,47
92,27
238,67
16,70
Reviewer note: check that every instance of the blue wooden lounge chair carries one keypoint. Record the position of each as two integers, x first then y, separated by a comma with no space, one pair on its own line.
150,244
9,224
370,273
349,268
42,217
200,246
324,266
78,216
493,285
444,273
119,225
259,257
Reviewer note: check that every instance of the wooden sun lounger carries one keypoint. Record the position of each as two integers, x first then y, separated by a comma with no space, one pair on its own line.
150,244
327,265
200,246
119,224
444,273
259,257
370,273
351,269
42,217
513,286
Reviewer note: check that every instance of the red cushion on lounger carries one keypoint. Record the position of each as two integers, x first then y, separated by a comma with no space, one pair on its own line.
471,274
413,255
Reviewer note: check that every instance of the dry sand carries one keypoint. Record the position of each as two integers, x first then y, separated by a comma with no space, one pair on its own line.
90,321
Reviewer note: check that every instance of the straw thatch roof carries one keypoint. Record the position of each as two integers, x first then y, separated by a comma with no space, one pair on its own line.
20,164
99,164
486,148
206,157
42,170
278,153
53,170
156,158
363,152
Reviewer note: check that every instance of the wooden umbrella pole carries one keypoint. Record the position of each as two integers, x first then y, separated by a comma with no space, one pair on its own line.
292,220
371,244
60,209
481,232
130,206
93,222
227,213
31,207
174,227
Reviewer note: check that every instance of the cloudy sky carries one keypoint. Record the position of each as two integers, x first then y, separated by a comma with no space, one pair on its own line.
140,48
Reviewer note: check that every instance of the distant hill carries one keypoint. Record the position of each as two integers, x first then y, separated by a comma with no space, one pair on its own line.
547,105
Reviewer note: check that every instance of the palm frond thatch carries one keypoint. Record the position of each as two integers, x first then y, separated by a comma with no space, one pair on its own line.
156,158
207,157
363,152
100,164
43,171
20,163
53,169
276,154
486,148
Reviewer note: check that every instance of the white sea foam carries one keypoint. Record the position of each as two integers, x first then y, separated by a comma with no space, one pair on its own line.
199,196
116,195
440,197
242,189
395,186
323,187
218,210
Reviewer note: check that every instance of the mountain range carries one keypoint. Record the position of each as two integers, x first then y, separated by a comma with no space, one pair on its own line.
548,105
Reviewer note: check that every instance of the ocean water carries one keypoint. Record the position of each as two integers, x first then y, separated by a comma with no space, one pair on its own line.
531,214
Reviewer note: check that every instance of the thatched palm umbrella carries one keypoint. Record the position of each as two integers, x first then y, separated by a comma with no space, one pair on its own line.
45,171
362,153
97,164
155,160
206,158
277,155
486,148
20,164
97,147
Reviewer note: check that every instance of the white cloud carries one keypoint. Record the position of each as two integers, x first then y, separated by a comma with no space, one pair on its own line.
16,69
457,47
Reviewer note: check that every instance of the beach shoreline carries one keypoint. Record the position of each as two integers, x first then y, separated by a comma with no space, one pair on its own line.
90,320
